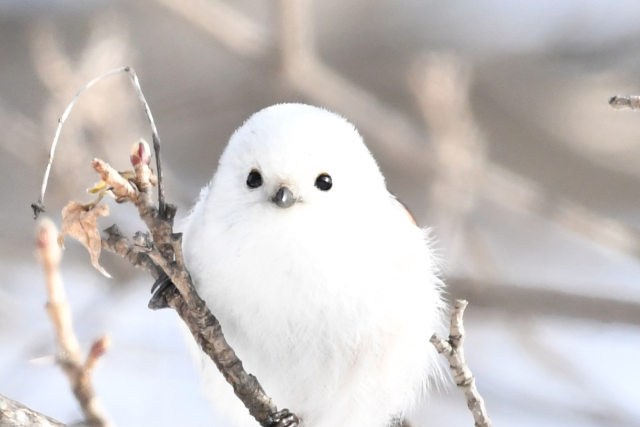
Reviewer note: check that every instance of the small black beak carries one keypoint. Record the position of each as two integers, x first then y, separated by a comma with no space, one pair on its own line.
284,198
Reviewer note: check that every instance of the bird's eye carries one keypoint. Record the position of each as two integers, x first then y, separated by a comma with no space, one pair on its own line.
323,182
254,180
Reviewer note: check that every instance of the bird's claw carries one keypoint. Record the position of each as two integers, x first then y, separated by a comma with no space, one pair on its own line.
160,289
284,418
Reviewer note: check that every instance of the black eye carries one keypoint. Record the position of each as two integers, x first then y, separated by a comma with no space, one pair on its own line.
254,180
323,182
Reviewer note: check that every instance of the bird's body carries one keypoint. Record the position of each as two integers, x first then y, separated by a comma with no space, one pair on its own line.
322,284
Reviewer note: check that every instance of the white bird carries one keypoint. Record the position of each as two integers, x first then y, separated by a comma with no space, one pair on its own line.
323,284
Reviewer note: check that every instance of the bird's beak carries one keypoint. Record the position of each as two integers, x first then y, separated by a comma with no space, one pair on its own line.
284,198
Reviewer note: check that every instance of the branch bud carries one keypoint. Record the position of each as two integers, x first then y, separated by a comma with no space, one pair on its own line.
140,153
100,347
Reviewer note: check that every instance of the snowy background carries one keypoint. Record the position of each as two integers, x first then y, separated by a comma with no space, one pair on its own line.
489,119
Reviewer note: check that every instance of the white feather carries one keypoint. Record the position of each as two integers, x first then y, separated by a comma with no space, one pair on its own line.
330,302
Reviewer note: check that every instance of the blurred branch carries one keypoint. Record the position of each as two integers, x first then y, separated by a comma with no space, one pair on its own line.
398,139
14,414
18,127
621,102
230,27
522,300
517,192
305,71
453,350
70,356
441,85
296,35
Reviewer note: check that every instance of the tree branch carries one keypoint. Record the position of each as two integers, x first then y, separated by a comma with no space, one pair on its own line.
621,102
163,253
520,300
14,414
70,356
118,244
453,351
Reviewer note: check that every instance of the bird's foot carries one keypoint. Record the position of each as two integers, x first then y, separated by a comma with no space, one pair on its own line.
284,418
160,289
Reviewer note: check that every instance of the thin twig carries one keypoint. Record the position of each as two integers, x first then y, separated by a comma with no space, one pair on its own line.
38,207
70,355
155,138
453,351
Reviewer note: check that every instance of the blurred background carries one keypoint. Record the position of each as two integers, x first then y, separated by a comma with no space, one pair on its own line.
489,119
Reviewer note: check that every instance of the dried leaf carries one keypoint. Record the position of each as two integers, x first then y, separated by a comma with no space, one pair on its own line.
82,224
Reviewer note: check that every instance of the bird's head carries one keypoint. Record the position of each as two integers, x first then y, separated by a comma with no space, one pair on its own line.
291,156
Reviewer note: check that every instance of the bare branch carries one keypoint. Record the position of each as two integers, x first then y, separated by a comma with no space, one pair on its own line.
521,300
164,251
453,351
118,244
621,102
14,414
207,332
70,356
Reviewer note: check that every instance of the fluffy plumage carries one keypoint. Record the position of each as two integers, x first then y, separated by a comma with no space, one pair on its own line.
329,302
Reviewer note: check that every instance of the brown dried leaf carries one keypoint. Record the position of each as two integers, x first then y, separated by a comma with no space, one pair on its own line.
82,224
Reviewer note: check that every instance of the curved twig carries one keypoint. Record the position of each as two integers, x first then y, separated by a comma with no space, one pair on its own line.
38,207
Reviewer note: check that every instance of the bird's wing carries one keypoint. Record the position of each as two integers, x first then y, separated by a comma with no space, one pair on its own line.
402,208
